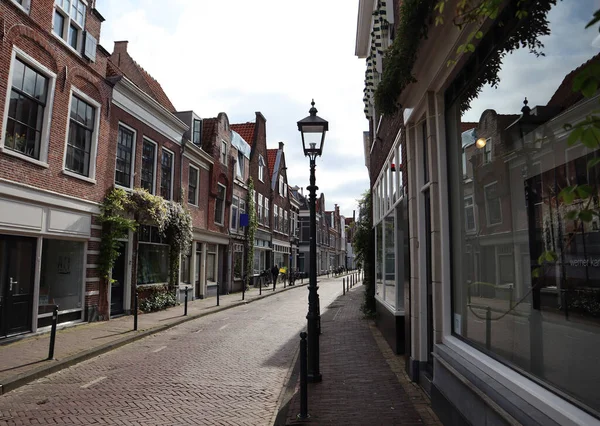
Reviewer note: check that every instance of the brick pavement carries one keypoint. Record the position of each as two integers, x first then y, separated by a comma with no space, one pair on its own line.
364,382
25,359
227,368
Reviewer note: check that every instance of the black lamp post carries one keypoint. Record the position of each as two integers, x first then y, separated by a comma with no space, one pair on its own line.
313,129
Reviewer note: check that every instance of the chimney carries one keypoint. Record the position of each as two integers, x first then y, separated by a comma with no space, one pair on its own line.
281,146
120,46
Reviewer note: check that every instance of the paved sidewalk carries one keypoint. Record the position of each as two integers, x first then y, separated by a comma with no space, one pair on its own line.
364,382
25,360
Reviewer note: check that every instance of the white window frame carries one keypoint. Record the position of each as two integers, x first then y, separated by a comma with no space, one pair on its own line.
45,137
147,139
133,148
25,7
224,152
162,148
234,199
260,209
222,218
197,185
64,38
261,168
281,185
474,216
488,143
241,165
94,148
487,206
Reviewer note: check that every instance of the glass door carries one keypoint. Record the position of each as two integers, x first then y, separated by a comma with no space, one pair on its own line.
117,288
17,272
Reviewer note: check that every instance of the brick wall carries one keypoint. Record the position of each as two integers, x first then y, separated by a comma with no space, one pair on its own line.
33,35
199,212
259,147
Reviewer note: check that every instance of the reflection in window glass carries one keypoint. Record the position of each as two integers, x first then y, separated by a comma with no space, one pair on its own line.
61,280
542,319
390,260
379,259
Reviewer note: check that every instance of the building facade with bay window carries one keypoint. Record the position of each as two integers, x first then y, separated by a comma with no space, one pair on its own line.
501,199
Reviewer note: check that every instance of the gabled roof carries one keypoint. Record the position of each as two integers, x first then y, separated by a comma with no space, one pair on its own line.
209,129
467,125
565,96
245,130
124,64
271,158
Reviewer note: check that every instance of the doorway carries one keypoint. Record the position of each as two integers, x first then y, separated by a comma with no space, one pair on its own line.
117,287
17,274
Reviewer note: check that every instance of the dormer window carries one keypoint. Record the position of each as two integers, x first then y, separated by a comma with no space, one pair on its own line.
261,168
197,132
69,22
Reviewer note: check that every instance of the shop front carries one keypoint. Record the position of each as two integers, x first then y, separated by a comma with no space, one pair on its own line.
43,253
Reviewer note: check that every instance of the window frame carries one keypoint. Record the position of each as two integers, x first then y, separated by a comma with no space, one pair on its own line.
487,206
241,165
472,206
68,22
132,165
25,7
488,143
217,199
162,149
196,188
47,119
154,168
261,168
224,152
235,204
94,143
198,133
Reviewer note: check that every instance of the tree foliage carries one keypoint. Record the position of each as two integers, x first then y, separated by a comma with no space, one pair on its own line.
364,246
250,231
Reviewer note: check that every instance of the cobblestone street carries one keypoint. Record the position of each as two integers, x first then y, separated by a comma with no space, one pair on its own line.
226,368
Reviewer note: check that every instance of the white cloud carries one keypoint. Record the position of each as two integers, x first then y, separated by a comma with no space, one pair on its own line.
240,57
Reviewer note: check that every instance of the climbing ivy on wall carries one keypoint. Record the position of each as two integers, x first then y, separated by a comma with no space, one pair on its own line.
250,231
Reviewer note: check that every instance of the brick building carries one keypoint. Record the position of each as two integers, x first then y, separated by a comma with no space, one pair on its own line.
280,206
53,162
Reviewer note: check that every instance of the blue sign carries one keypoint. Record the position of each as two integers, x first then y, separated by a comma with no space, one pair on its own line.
244,220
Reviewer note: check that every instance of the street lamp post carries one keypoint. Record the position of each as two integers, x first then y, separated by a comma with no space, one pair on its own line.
313,129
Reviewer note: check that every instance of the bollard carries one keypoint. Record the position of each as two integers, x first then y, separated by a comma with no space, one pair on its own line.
53,332
344,285
218,293
488,328
510,298
186,300
135,311
303,378
260,283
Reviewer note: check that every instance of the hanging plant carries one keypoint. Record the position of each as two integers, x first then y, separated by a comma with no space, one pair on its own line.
148,208
250,231
115,226
178,232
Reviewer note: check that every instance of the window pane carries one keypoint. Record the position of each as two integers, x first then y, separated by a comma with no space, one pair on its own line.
153,263
193,183
124,157
166,175
148,161
525,274
73,35
18,73
61,279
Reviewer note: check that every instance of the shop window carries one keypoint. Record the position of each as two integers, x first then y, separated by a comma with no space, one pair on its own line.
153,257
527,292
186,262
62,276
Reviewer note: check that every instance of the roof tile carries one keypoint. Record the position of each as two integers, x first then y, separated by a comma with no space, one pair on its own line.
245,130
271,157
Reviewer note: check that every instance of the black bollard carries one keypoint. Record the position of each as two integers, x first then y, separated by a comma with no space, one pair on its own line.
135,311
53,332
488,328
303,378
218,293
260,286
344,285
186,300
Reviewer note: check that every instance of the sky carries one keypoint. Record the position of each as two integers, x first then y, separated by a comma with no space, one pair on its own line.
272,56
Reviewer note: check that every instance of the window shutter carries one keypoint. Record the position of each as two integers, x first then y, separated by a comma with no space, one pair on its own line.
90,47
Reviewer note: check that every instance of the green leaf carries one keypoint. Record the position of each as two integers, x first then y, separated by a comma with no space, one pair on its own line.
471,47
593,162
450,62
541,258
586,215
572,215
584,191
535,273
567,195
580,79
575,135
551,256
590,87
461,48
478,35
591,137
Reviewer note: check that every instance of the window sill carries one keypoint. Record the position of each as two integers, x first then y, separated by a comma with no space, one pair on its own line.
77,176
67,45
20,6
124,188
151,285
16,154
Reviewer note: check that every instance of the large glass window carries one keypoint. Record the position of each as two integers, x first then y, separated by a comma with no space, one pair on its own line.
81,129
125,156
235,206
379,259
241,165
61,279
26,110
148,165
390,260
526,278
153,257
73,13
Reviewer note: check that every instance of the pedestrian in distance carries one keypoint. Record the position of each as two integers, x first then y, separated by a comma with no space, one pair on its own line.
275,273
